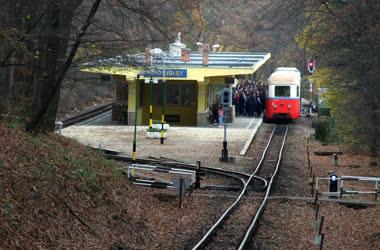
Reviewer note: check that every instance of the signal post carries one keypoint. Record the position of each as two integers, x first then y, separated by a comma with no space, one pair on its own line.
311,64
226,101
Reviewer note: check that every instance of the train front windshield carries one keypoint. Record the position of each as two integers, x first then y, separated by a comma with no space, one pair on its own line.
282,91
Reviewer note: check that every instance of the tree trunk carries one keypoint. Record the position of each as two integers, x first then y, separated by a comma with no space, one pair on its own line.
5,47
4,90
53,46
48,79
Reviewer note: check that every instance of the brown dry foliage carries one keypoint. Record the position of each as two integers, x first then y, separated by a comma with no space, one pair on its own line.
56,193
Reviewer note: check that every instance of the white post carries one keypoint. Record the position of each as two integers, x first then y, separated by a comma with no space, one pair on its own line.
316,185
60,126
129,173
311,95
164,69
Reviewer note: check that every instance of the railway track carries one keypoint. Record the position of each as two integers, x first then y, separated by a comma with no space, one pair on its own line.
239,176
235,228
85,115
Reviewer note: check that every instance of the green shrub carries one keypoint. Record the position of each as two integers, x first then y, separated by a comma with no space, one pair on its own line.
88,176
15,124
324,112
322,129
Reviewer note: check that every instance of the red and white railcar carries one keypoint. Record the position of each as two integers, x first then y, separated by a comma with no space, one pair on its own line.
283,95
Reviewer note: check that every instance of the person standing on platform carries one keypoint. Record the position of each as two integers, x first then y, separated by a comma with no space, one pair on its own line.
262,99
237,103
125,115
221,116
210,116
242,104
252,105
259,105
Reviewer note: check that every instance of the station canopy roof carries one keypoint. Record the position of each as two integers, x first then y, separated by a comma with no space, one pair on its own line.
219,64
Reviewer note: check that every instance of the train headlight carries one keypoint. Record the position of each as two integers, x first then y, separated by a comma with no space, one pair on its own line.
274,105
289,106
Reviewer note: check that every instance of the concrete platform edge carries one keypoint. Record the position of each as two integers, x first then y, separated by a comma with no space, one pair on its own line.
250,138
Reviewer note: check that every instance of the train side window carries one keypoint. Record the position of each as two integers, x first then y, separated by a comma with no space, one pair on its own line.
282,91
298,91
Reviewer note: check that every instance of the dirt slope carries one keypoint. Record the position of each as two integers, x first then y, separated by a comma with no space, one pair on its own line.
56,193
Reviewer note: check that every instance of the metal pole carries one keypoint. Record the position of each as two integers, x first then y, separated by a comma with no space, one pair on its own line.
150,102
320,226
322,240
316,212
163,105
376,189
135,128
225,150
311,95
225,126
180,192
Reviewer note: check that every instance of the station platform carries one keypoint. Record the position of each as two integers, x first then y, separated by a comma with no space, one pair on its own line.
182,143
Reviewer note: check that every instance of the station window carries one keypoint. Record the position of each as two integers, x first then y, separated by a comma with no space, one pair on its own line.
105,78
173,94
180,94
187,94
157,94
282,91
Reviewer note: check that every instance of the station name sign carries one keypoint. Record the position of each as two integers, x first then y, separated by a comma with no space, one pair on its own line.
170,73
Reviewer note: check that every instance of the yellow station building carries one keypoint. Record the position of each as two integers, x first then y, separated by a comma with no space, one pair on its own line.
190,87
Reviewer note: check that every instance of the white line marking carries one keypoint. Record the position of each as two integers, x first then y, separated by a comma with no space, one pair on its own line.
252,120
250,138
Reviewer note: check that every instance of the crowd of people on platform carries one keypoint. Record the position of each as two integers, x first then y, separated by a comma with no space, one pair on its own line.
247,96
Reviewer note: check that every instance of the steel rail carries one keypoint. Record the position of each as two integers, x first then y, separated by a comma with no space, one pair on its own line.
247,240
231,174
86,115
230,209
223,170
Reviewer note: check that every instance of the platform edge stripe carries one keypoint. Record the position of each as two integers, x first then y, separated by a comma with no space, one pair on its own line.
250,138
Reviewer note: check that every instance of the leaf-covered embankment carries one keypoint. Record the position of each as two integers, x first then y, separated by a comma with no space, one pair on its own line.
56,193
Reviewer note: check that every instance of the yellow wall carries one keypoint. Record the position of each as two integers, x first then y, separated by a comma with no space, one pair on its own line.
188,114
217,80
131,95
201,96
132,90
